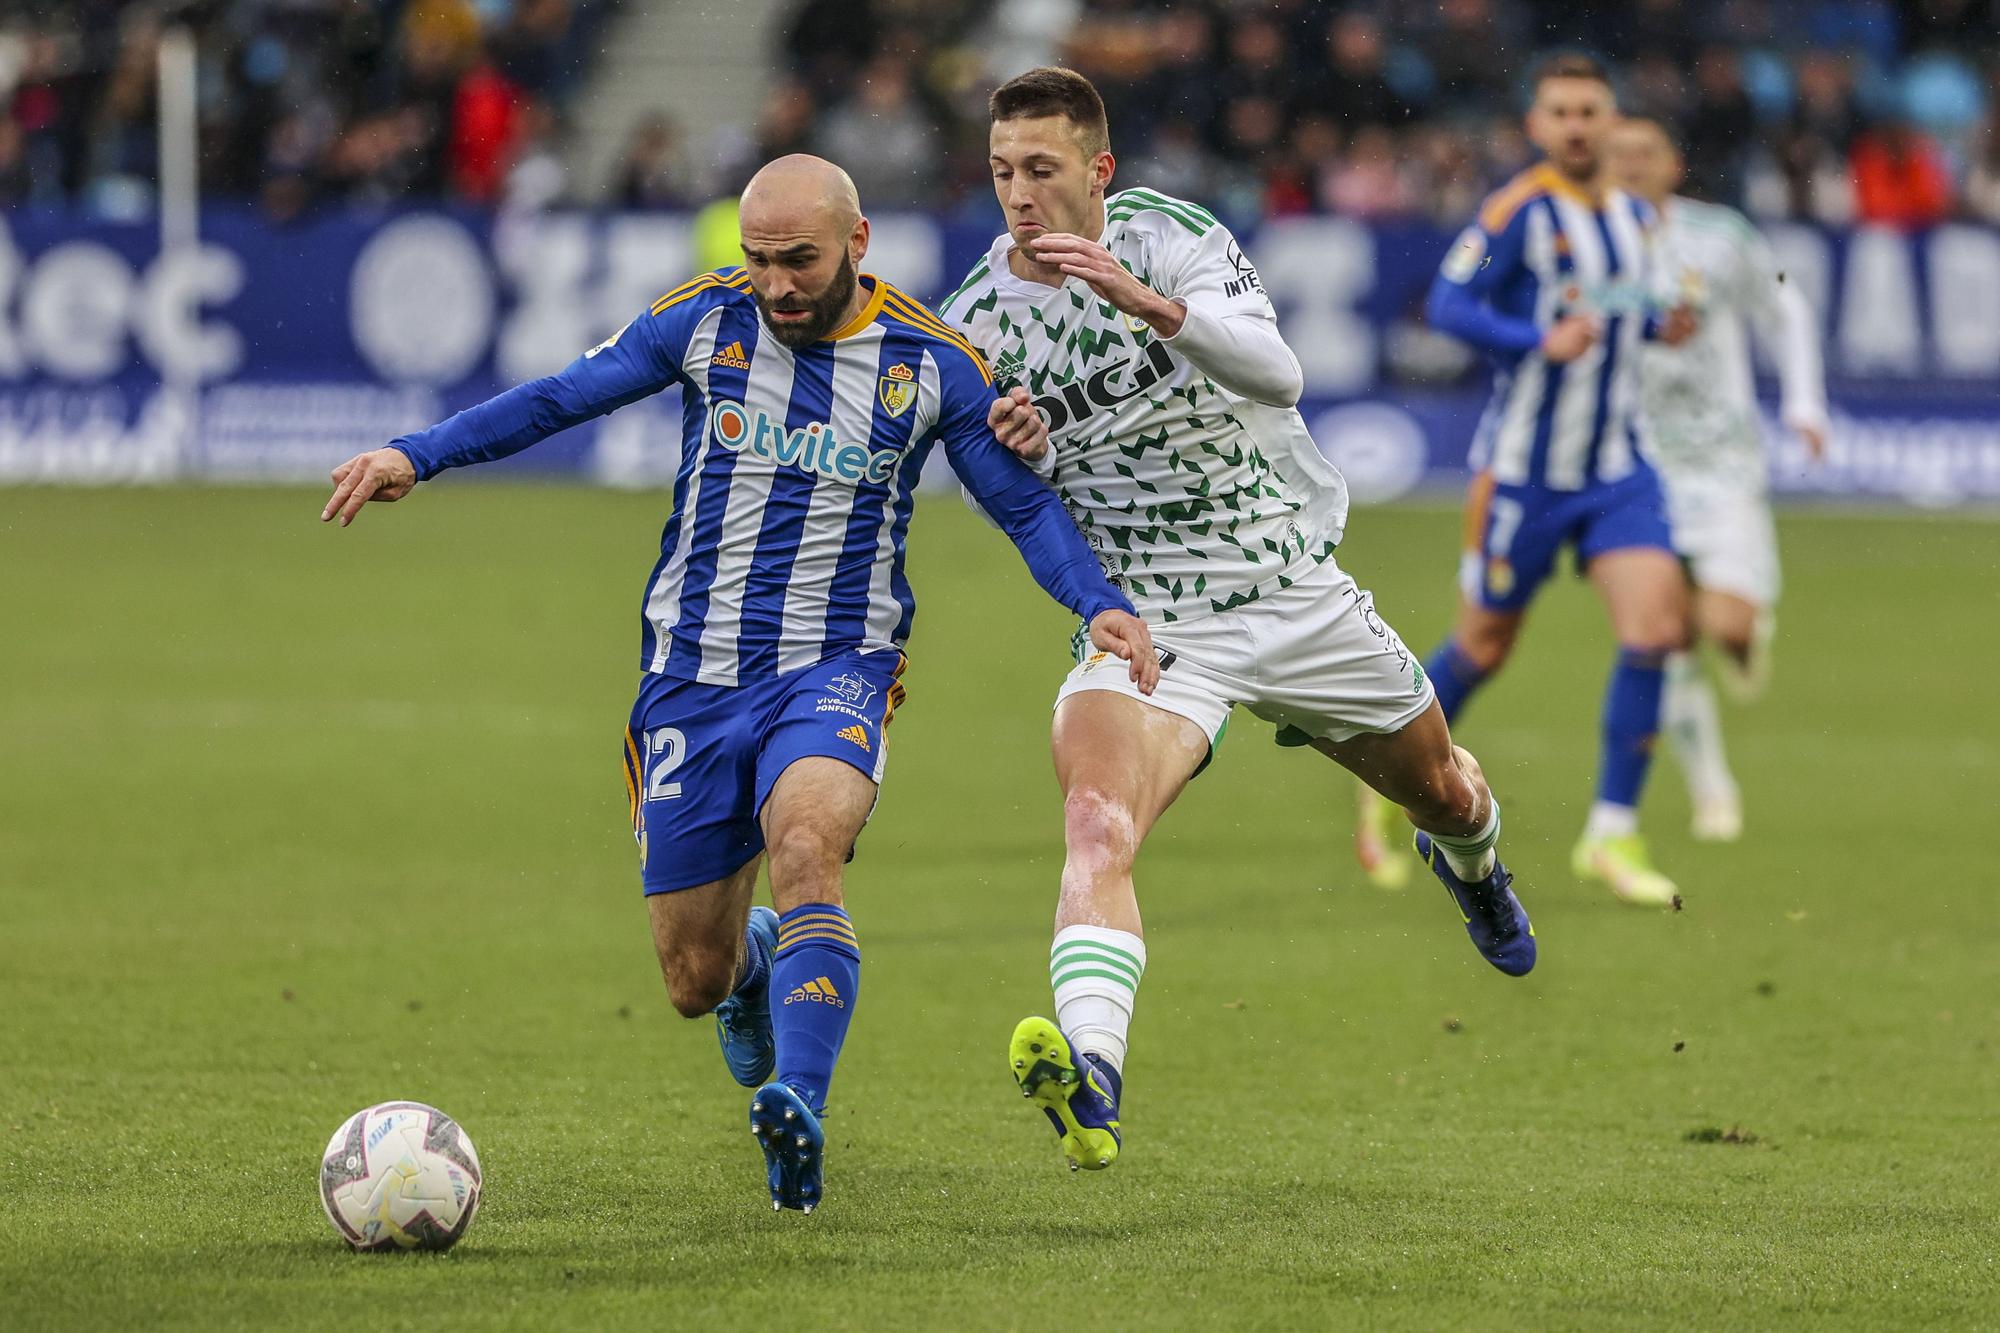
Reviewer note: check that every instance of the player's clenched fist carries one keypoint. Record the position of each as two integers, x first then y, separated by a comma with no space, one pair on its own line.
379,474
1018,425
1126,638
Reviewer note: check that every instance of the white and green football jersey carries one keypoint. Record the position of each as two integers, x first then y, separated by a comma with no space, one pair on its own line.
1700,414
1196,499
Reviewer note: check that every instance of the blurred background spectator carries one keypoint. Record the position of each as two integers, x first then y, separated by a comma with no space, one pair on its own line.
300,101
1882,110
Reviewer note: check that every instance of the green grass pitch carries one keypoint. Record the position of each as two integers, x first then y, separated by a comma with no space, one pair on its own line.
294,820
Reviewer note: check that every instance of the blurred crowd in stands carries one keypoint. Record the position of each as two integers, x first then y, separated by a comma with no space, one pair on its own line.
299,100
1837,110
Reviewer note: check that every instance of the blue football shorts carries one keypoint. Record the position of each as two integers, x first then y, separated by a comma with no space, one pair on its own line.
1514,534
700,760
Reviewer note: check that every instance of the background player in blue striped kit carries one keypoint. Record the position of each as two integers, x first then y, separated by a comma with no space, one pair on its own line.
777,612
1552,282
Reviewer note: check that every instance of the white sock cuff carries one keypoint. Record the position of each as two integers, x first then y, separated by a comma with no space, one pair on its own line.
1473,844
1080,951
1095,974
1610,820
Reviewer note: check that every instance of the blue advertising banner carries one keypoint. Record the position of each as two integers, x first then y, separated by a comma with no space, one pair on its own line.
275,350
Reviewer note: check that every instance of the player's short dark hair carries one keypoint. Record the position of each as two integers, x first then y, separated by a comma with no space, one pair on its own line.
1660,123
1055,91
1568,65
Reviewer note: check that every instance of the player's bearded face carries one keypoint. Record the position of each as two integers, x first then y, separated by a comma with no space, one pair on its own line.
821,313
1569,122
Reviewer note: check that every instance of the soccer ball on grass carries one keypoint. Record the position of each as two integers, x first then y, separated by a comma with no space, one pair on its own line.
400,1176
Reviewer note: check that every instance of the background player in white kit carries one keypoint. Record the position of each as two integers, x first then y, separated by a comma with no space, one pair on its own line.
1142,335
1700,418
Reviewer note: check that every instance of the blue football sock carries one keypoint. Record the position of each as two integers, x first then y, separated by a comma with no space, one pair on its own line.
1454,676
1631,724
754,968
815,980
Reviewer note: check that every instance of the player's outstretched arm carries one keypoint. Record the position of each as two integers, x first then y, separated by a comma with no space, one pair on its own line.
633,363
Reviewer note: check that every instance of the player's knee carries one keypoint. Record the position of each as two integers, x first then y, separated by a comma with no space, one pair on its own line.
696,983
1487,645
1098,828
1731,627
1668,625
804,852
1736,641
1656,637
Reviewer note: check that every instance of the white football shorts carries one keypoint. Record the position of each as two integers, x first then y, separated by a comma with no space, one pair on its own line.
1727,536
1313,658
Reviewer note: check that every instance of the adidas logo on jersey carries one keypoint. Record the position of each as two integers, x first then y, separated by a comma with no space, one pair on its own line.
731,355
816,992
855,733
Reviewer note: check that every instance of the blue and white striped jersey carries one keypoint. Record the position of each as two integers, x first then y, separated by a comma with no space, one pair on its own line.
1541,250
797,475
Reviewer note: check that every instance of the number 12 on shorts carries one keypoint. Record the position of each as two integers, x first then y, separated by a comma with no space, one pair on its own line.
666,748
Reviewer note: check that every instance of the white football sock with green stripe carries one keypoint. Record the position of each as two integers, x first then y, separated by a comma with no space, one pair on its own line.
1096,974
1472,858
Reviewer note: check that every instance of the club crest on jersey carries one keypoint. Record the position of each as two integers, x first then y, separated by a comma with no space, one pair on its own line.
899,389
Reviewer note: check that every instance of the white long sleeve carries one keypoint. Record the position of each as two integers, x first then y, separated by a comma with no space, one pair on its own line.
1241,351
1231,331
1784,319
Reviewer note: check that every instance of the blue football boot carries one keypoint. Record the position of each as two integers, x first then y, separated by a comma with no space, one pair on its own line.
1494,917
1079,1093
794,1146
743,1021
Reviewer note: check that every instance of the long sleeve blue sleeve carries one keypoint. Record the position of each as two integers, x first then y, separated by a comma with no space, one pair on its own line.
1454,310
1478,295
633,364
1024,506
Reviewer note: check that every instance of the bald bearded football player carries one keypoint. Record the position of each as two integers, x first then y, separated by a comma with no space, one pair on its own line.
1136,327
775,617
